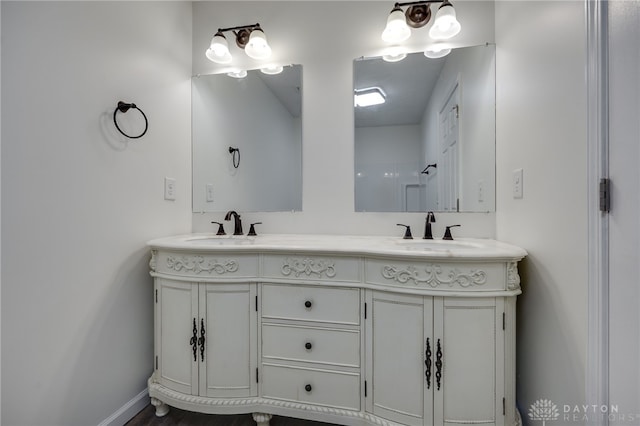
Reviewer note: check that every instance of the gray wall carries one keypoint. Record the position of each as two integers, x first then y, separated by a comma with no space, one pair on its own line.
79,201
541,117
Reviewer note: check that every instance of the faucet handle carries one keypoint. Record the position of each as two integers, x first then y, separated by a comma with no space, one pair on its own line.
220,229
447,232
407,232
252,230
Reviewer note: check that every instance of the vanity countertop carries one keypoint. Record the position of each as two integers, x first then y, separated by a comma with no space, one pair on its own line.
460,248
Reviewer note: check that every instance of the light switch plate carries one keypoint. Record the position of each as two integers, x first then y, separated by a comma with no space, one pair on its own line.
518,176
209,193
169,189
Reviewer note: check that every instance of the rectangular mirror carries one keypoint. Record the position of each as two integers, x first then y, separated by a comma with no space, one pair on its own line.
247,142
431,144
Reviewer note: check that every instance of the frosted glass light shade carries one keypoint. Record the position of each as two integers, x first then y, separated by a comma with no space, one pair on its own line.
272,69
435,52
395,56
397,29
257,47
445,25
237,74
218,51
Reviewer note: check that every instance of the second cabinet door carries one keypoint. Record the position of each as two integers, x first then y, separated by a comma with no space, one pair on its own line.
231,323
434,360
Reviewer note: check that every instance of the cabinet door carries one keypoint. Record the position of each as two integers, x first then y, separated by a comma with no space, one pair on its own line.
229,316
468,335
397,329
175,316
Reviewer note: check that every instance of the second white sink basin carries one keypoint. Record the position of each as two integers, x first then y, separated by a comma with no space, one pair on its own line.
437,245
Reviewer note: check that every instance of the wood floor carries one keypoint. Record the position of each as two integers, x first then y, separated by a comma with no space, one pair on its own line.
176,417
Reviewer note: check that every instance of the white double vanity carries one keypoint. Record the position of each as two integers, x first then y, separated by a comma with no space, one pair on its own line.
346,330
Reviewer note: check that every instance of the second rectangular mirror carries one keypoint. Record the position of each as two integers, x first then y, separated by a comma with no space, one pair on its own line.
431,144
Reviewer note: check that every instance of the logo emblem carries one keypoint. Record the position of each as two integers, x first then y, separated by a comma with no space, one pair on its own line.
543,409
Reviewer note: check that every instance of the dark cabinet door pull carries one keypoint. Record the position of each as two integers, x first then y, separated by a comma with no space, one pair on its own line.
307,304
428,364
439,364
201,340
194,341
308,388
308,345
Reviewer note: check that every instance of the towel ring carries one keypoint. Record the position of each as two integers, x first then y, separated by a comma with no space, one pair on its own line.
124,107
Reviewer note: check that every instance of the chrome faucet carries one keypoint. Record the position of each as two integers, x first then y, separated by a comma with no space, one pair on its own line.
431,218
237,226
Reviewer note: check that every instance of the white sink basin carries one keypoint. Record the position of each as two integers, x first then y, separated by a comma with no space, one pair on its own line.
438,245
222,240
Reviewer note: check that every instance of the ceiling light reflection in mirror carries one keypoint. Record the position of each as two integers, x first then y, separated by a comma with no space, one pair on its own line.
438,112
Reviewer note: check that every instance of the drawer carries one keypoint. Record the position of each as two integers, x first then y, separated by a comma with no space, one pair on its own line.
311,344
311,303
335,389
206,266
312,268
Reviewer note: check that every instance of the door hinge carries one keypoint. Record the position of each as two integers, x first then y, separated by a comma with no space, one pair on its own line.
504,407
504,320
605,195
365,388
365,310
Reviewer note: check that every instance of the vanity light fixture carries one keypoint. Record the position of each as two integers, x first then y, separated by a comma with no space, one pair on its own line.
251,38
369,97
417,15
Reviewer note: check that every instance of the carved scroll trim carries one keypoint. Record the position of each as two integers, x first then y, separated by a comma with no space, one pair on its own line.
198,264
434,276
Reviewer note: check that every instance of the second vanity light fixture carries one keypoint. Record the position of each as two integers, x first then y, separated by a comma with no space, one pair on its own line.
251,38
417,15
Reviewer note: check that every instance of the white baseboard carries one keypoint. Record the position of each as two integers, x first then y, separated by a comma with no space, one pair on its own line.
128,410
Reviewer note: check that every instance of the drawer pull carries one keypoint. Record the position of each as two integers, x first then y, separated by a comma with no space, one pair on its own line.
308,388
308,345
307,304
